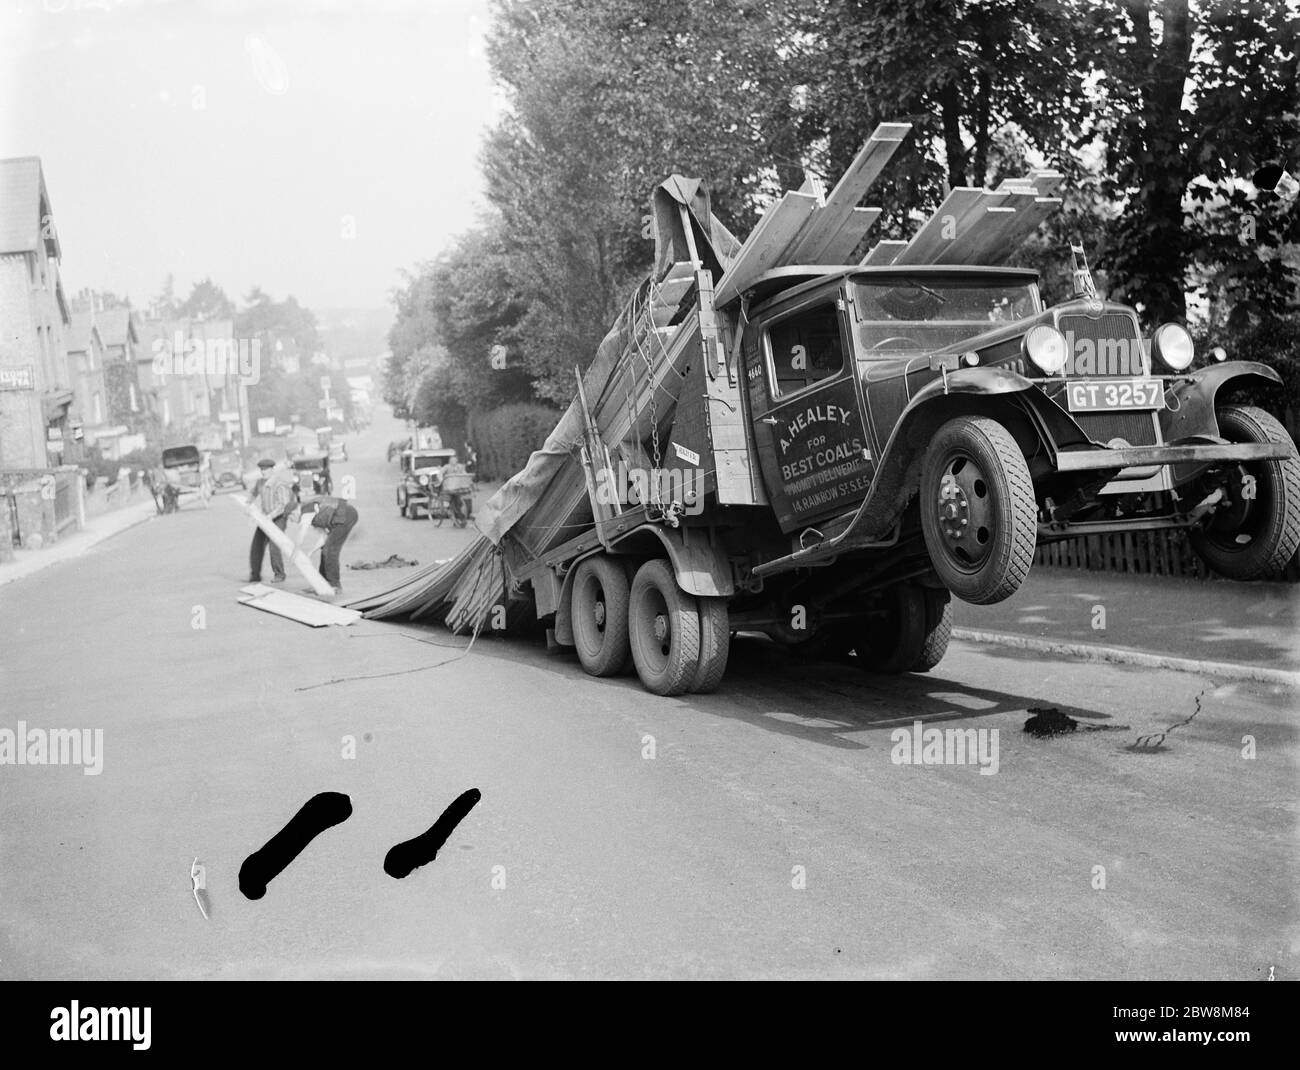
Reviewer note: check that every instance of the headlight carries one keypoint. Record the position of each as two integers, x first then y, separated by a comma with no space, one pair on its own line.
1173,345
423,481
1046,347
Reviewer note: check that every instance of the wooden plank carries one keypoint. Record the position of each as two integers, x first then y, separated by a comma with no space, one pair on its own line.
966,246
297,558
824,227
1043,182
767,245
936,232
981,229
1046,181
814,185
883,253
1025,223
992,243
297,608
851,234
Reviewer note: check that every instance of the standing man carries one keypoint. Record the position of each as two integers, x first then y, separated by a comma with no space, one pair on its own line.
333,519
276,496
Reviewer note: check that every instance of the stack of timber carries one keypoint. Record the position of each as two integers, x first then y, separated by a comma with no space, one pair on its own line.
645,401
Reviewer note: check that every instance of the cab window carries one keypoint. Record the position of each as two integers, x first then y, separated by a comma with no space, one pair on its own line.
806,348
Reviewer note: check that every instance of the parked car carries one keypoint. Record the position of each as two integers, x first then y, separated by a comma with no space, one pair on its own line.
185,471
312,470
421,477
227,467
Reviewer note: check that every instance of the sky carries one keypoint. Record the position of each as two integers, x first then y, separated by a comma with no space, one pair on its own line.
311,147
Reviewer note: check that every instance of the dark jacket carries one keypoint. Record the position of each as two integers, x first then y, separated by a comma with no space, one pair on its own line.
324,508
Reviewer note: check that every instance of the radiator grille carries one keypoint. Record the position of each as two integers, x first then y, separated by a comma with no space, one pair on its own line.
1106,346
1136,428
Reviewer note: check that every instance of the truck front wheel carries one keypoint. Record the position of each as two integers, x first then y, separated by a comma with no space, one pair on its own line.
664,630
600,604
910,634
977,510
1258,530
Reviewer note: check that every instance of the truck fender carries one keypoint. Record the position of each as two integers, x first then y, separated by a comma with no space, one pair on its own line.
992,380
1192,411
701,568
564,610
968,391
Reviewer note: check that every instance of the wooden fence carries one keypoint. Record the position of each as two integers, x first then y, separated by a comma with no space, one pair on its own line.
1146,553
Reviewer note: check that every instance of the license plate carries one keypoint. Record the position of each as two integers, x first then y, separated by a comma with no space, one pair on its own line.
1107,395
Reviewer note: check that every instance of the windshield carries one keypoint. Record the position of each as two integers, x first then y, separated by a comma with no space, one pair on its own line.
915,314
430,460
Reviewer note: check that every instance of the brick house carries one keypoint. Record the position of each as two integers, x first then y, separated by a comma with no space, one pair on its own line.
121,375
36,389
89,410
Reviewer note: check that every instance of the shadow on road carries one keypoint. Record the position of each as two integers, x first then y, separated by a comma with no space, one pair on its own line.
822,701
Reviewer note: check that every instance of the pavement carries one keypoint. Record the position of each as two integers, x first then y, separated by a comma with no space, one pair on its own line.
1147,621
768,830
76,544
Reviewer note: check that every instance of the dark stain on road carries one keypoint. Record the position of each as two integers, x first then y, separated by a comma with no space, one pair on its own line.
318,813
413,854
1048,721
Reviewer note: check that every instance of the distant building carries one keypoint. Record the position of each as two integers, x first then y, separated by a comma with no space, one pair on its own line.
36,389
188,376
121,375
89,409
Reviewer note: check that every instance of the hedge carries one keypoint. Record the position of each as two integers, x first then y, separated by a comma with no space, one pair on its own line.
504,437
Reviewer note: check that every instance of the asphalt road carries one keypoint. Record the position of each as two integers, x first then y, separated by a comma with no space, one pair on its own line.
763,831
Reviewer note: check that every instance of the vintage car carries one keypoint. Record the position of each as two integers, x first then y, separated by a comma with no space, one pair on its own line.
311,469
227,468
943,411
421,476
186,472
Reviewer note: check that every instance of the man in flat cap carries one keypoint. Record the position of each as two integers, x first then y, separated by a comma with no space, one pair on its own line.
276,496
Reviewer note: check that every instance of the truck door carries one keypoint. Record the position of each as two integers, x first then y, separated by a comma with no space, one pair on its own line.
811,435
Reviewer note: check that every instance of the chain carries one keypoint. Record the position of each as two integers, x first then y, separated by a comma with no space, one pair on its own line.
644,353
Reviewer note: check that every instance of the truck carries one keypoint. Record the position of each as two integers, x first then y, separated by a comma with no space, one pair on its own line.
773,440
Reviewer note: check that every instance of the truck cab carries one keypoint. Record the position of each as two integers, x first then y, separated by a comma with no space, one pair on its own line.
948,402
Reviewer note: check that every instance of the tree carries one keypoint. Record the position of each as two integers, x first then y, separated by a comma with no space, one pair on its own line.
1202,94
207,300
165,305
983,83
605,100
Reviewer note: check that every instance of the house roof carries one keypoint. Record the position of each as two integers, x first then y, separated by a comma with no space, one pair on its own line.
117,326
147,333
24,203
81,331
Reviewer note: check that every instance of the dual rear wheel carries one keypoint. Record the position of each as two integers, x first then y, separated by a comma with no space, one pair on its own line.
676,641
910,635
